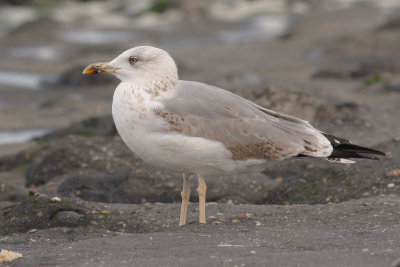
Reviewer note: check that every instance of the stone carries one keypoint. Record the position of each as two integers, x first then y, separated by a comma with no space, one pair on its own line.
68,218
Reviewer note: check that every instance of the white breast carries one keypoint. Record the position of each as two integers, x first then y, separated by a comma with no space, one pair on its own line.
130,110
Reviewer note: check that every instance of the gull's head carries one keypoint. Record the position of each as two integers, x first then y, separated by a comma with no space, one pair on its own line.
138,64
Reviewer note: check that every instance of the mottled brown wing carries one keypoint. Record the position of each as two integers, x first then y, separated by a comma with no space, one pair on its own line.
247,130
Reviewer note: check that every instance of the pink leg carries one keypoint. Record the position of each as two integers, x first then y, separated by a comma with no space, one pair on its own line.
201,189
185,199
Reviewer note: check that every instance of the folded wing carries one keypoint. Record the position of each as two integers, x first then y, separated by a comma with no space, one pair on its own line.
246,129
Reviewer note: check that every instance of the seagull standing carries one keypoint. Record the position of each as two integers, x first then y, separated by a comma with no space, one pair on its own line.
195,128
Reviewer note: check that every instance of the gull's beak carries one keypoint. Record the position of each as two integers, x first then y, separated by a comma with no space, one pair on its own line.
96,68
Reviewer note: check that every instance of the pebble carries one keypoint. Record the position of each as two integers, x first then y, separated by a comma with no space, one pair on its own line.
69,218
8,256
55,199
395,172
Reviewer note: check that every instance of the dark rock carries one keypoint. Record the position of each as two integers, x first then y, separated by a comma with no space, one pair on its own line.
9,162
93,126
65,155
68,218
53,164
95,186
39,211
121,187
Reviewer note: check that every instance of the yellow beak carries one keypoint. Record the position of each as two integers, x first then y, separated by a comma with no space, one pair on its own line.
96,68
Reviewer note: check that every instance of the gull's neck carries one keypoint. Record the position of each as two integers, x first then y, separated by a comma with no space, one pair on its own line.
155,86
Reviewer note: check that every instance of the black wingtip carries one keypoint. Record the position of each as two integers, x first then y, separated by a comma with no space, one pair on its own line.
348,147
343,148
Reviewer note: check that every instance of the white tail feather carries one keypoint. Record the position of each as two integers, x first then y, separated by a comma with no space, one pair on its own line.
339,160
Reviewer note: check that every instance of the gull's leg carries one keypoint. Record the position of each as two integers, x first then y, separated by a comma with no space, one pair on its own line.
201,189
185,199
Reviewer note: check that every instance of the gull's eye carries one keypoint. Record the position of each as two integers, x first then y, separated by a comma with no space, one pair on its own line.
132,60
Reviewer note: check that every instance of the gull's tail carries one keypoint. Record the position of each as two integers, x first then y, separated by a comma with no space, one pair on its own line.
343,150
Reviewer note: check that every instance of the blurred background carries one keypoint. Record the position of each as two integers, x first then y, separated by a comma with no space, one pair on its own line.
335,63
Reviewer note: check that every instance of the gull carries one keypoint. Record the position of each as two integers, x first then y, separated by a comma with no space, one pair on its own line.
195,128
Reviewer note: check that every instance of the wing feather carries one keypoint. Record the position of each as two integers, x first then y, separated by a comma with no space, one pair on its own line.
246,129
